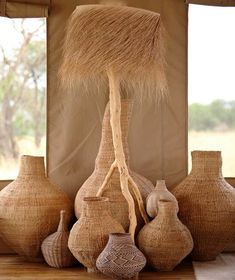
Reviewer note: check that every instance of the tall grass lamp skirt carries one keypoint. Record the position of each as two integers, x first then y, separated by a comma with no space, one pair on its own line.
118,44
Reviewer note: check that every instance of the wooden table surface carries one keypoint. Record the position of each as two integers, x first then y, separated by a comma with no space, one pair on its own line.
13,267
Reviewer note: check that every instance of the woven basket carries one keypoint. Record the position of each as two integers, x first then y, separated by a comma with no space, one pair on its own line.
118,204
55,247
160,192
207,205
89,234
121,258
165,241
29,208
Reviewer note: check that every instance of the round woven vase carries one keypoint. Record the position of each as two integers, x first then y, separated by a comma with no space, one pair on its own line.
29,209
55,247
89,234
160,192
121,258
105,158
165,241
207,205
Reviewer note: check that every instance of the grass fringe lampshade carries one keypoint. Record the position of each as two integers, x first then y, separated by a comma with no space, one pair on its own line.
124,46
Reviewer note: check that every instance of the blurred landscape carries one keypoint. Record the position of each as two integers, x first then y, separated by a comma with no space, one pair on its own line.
212,127
22,92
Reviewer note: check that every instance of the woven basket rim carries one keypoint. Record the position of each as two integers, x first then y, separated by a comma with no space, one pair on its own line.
198,153
31,157
119,234
95,199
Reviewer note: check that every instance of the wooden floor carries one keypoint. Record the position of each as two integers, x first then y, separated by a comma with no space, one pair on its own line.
13,267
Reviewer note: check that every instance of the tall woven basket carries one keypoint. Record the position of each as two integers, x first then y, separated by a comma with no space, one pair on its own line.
105,157
207,205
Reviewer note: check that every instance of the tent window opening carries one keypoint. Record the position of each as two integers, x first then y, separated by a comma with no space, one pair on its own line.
211,82
22,91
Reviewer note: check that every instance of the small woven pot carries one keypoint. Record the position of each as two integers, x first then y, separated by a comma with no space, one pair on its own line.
55,247
89,234
160,192
165,241
207,205
121,258
29,208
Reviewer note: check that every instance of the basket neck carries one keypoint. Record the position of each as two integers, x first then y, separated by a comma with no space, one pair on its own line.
105,155
97,207
120,238
207,163
167,210
32,166
161,185
62,224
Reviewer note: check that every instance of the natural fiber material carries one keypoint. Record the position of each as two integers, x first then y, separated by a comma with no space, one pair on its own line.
55,247
121,258
165,241
207,205
105,157
120,43
29,208
125,39
160,192
89,234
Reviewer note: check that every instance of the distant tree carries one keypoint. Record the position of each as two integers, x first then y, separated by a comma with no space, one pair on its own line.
200,117
22,95
219,113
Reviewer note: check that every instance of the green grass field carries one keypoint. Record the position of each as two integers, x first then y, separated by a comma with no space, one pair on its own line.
219,141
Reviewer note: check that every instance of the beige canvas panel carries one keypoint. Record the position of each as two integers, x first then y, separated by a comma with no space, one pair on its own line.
22,10
212,2
157,139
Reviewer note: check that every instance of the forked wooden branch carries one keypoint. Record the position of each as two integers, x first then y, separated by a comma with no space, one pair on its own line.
120,161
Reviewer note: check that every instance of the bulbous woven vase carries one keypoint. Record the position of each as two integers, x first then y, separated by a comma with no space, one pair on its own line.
105,158
89,234
160,192
121,258
29,209
165,241
55,247
207,205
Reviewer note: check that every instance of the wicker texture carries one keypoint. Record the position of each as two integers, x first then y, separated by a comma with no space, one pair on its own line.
121,258
160,192
165,241
55,247
29,208
89,234
105,157
125,39
207,205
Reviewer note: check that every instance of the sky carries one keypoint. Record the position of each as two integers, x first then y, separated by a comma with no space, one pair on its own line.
211,53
